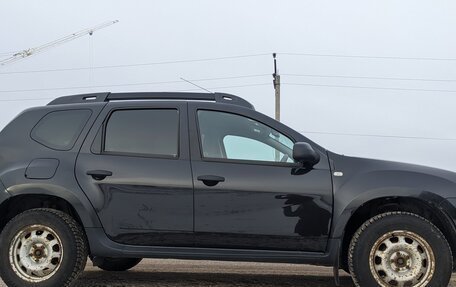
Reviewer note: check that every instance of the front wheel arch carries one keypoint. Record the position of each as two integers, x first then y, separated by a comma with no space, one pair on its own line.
393,204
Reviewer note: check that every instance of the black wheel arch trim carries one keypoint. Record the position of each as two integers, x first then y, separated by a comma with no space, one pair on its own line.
442,208
341,219
80,204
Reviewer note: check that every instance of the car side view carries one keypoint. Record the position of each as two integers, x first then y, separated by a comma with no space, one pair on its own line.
118,177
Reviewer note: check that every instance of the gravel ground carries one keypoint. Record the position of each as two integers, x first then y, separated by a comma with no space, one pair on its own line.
183,273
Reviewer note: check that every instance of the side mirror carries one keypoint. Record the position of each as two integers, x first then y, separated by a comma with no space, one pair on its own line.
305,154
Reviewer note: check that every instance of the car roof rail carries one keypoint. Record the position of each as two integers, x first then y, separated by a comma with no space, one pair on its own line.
105,97
79,99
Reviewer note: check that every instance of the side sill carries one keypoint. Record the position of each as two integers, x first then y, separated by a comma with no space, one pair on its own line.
102,246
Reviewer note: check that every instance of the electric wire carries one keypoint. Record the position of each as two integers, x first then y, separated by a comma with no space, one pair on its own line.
368,57
183,90
135,65
231,57
8,53
369,78
379,136
368,87
132,84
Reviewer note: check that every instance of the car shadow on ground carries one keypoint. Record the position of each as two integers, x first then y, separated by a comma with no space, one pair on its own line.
173,279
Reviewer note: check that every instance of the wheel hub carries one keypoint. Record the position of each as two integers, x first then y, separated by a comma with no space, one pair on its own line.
36,253
401,261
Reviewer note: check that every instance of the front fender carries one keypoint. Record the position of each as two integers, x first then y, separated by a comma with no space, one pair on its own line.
359,188
344,216
80,203
4,195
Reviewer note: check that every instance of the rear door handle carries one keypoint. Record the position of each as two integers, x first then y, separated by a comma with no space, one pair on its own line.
211,180
99,174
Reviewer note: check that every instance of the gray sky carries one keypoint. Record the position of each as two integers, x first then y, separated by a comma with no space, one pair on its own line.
158,31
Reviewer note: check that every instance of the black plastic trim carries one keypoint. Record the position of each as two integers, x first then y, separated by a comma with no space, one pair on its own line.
101,245
104,97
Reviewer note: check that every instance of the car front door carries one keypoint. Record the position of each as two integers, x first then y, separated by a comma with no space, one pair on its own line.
249,192
134,166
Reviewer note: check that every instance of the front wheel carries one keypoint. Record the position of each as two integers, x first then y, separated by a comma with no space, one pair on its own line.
42,248
399,249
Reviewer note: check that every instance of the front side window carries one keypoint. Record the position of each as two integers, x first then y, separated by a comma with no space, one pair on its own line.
143,132
234,137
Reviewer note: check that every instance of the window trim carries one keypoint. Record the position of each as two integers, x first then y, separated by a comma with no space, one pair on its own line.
77,135
147,155
241,161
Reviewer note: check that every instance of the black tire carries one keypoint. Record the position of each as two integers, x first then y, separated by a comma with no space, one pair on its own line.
367,236
118,264
71,241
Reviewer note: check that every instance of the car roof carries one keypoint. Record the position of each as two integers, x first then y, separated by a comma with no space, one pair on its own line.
107,96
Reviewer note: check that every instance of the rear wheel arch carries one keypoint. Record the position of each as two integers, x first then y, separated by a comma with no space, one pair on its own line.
73,196
20,203
412,205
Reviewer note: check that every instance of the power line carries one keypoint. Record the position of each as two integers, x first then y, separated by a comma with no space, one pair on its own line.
379,136
370,78
369,57
186,90
227,58
87,87
230,57
136,65
368,87
23,100
232,77
131,84
8,53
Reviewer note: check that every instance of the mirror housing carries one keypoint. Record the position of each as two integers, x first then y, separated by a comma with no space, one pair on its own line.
305,154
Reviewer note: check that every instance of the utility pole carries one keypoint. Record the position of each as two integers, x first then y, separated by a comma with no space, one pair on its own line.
276,83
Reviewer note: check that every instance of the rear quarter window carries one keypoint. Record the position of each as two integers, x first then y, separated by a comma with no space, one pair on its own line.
59,130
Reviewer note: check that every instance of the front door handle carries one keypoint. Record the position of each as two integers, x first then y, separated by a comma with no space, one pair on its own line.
211,180
99,174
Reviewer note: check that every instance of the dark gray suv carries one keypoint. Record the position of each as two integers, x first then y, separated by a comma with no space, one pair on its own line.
123,176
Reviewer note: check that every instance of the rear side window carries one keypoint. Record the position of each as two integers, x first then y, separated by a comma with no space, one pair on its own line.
153,132
59,130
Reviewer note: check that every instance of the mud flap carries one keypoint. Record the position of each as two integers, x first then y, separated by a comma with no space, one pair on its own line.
336,266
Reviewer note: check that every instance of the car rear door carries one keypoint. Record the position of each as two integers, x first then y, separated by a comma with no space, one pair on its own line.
134,166
249,192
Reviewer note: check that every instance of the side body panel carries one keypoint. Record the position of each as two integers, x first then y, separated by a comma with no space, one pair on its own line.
147,200
18,151
260,206
364,180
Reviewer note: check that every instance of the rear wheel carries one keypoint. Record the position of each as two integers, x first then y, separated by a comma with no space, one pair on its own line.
42,248
399,249
118,264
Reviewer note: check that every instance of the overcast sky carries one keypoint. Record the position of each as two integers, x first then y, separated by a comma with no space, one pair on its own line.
403,120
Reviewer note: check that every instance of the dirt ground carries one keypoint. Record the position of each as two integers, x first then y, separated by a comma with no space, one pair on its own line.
183,273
